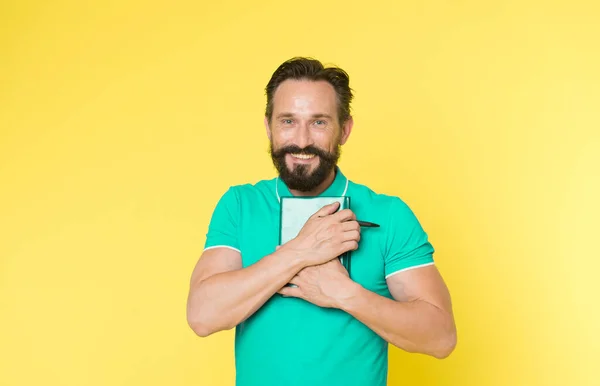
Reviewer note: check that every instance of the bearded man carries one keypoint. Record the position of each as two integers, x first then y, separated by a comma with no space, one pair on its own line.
300,318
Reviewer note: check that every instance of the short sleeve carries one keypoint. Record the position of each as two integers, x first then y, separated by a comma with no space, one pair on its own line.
407,244
223,226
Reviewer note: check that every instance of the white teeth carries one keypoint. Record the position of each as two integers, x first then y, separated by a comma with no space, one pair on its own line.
303,156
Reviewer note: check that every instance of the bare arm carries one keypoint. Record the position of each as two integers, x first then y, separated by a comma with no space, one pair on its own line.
223,294
419,319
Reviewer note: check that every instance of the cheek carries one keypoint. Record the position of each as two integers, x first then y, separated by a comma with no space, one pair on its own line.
323,140
281,137
328,144
286,136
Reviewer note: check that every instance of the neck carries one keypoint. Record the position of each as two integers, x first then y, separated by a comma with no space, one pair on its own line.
319,189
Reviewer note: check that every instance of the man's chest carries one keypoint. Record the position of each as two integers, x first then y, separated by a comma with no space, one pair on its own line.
259,236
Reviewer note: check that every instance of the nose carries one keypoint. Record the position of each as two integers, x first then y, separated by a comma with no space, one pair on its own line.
303,137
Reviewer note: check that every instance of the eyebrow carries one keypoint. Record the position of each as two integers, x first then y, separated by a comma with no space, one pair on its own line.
318,115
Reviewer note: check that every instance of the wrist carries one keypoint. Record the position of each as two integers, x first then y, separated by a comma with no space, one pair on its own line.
349,294
295,258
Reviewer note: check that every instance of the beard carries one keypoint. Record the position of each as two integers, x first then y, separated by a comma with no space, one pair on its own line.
300,178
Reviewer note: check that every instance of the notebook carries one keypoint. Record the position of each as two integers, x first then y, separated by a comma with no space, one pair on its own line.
296,210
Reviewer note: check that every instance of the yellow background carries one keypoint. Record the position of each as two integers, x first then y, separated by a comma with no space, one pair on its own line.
123,123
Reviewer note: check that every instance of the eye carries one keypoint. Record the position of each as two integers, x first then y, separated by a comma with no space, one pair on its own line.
320,122
287,121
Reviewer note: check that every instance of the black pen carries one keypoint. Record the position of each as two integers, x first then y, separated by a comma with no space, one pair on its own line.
368,224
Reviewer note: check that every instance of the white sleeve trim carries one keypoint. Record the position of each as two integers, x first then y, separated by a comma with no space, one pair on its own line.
222,246
409,268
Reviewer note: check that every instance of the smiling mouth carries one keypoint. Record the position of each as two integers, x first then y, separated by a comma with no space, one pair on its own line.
302,156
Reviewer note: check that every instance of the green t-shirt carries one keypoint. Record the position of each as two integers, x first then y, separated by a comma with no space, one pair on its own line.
290,341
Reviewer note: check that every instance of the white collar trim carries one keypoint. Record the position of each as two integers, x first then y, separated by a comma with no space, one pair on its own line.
279,198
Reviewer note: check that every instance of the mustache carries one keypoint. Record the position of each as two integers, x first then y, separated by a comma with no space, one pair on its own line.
312,150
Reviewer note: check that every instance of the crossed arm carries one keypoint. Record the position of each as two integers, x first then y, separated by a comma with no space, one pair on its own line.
418,319
222,294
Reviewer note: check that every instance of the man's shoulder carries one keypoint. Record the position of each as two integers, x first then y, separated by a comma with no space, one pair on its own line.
247,189
379,198
397,217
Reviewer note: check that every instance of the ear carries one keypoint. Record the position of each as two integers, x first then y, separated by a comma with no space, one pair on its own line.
346,130
267,128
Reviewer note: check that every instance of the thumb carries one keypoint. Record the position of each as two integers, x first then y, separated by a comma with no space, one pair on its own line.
291,292
327,209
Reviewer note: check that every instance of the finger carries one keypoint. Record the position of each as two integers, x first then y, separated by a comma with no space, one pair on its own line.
296,280
351,235
327,210
291,292
350,245
350,226
345,215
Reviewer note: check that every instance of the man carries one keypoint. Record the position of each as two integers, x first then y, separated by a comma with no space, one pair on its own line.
327,328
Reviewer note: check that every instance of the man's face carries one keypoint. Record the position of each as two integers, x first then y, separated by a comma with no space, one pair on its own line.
305,134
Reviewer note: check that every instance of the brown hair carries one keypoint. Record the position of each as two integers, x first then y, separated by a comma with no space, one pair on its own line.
299,68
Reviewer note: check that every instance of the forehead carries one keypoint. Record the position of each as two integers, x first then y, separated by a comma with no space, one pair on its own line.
304,97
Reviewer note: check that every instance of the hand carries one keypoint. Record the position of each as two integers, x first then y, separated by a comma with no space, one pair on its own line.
326,235
324,285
